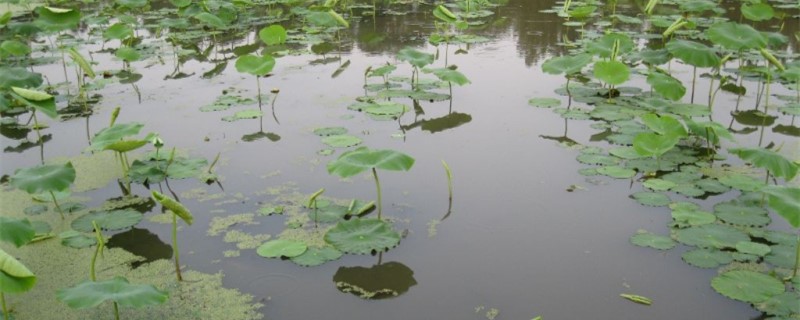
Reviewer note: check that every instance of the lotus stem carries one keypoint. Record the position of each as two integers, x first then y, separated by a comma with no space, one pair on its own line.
272,105
6,314
378,187
53,196
694,79
175,250
449,179
258,85
38,134
214,162
796,258
766,105
116,311
98,251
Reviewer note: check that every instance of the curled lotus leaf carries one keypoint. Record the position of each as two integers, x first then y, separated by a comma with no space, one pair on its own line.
786,202
362,236
747,286
14,276
44,178
89,294
114,133
776,163
172,205
16,231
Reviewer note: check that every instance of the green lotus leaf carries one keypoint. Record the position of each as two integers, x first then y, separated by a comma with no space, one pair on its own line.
381,281
273,35
128,54
118,31
183,167
330,131
627,153
342,141
281,248
89,294
328,214
41,228
38,100
413,95
738,213
747,286
255,65
19,77
244,114
107,220
646,239
181,3
706,258
742,182
566,64
652,57
388,108
449,75
657,184
16,231
132,4
777,165
598,159
442,13
317,256
666,85
210,20
57,19
77,240
44,178
611,72
362,236
36,209
604,45
692,217
688,190
782,255
416,58
15,48
781,305
736,36
757,11
651,144
693,53
664,125
616,172
754,248
652,199
709,130
711,236
125,145
176,207
544,102
356,161
114,133
786,202
14,276
360,207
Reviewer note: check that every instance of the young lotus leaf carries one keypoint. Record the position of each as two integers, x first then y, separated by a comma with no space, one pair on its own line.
706,258
666,85
362,159
747,286
442,13
330,131
651,144
176,207
611,72
786,202
711,236
657,184
647,239
709,130
118,31
317,256
362,236
128,54
16,231
774,162
57,19
113,134
89,294
741,214
692,217
757,11
39,101
664,125
414,57
652,199
693,53
273,35
107,220
210,20
281,248
255,65
19,77
125,145
616,172
604,46
342,141
44,178
449,75
566,64
77,240
544,102
14,276
754,248
736,36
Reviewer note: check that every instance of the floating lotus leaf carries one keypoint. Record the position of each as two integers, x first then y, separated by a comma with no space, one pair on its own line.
692,217
107,220
544,102
604,45
317,256
210,20
652,199
781,305
176,207
114,133
742,182
329,214
362,236
646,239
36,209
413,95
273,35
386,280
616,172
688,110
41,228
778,237
777,164
757,11
118,31
14,276
281,248
735,36
89,294
566,64
44,178
747,286
16,231
786,202
19,77
449,75
128,54
693,53
77,240
342,141
611,72
744,257
330,131
782,255
711,236
356,161
754,248
392,109
244,114
666,85
414,57
627,153
651,144
598,159
705,258
255,65
742,214
656,184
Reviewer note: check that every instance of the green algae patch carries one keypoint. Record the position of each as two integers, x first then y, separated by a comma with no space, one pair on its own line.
93,171
244,240
219,225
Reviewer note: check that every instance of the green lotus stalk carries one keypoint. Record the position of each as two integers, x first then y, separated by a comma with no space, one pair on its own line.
449,180
6,314
58,207
116,311
378,188
796,258
98,251
679,23
175,249
566,6
650,6
178,210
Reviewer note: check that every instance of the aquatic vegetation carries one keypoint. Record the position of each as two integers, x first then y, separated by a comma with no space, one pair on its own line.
45,179
15,277
177,210
118,290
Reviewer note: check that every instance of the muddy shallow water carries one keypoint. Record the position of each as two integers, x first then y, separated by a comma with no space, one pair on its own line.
515,240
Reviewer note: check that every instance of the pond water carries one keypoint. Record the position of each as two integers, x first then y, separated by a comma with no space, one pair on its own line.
526,234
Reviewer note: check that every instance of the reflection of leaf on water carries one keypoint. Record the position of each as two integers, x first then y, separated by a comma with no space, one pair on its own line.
381,281
260,135
143,243
28,144
447,122
753,118
14,131
787,130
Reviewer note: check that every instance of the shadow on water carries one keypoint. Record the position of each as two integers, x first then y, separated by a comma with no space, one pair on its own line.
143,243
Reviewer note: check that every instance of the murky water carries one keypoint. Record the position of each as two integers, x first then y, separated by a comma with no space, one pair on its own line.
515,240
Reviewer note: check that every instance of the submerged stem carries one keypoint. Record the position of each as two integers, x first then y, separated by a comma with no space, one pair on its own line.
378,187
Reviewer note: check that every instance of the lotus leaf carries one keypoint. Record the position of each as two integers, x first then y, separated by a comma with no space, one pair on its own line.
616,172
128,54
688,190
386,280
736,36
566,64
356,161
317,256
328,214
273,35
757,11
118,31
651,144
114,133
14,276
693,53
598,159
16,231
255,65
544,102
414,57
449,75
77,240
14,48
628,153
657,184
652,57
442,13
711,236
19,77
281,248
342,141
742,182
709,130
36,209
781,305
706,258
611,72
793,109
210,19
38,100
362,236
786,202
754,248
747,286
176,207
646,239
413,94
738,213
666,85
89,294
107,220
125,145
782,255
777,165
244,114
604,45
330,131
692,217
664,125
392,109
57,19
44,178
